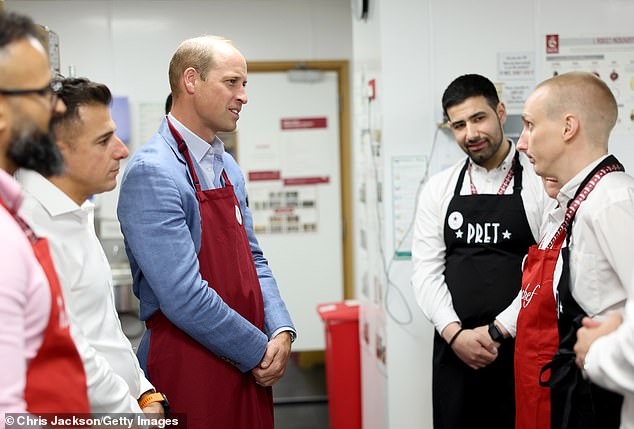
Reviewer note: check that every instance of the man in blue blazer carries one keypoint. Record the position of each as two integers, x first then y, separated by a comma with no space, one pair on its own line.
219,334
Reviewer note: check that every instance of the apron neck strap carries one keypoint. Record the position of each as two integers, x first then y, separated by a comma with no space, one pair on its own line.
608,165
517,172
225,176
182,148
514,171
456,191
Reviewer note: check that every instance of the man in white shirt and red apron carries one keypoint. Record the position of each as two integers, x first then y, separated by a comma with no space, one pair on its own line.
582,266
59,208
219,333
474,223
41,368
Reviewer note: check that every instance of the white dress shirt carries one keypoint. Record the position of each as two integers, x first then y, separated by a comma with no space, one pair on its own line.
610,362
602,234
208,156
114,377
428,246
601,275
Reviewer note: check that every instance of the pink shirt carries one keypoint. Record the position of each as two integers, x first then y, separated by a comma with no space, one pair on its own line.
25,302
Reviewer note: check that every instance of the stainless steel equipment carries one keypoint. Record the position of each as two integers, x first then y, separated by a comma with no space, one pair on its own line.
124,298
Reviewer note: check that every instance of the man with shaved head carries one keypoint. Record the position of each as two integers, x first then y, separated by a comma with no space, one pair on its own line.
582,268
219,334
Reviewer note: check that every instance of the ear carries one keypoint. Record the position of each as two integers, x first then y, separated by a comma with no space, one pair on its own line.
190,76
571,127
501,112
62,141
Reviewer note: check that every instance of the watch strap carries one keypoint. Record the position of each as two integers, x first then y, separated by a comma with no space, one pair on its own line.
152,397
495,333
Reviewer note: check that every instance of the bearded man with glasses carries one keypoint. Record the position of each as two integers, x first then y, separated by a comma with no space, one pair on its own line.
41,368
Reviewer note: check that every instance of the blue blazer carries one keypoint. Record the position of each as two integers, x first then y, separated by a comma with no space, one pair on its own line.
160,220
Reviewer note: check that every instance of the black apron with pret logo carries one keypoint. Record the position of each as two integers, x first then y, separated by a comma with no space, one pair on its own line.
575,402
486,237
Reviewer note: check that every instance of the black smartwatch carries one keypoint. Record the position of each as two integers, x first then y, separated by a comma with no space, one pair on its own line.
495,333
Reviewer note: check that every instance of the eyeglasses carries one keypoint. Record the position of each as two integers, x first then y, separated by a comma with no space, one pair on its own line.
53,89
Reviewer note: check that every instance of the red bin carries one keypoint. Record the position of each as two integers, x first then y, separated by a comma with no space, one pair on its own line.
343,363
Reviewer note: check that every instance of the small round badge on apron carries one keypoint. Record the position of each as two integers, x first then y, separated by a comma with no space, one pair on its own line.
238,215
455,220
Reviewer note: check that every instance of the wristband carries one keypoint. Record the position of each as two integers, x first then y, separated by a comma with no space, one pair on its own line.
455,336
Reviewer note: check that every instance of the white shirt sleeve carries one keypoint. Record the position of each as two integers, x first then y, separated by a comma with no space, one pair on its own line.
610,359
508,317
144,383
428,255
107,391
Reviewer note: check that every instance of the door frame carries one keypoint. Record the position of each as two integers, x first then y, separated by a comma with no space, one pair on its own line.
345,167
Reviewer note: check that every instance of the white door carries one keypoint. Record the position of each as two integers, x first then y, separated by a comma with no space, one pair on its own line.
288,148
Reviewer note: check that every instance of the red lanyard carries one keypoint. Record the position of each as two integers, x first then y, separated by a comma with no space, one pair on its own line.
572,208
504,185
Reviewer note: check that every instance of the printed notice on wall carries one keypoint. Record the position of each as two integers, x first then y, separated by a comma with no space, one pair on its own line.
407,173
611,58
516,66
282,209
516,76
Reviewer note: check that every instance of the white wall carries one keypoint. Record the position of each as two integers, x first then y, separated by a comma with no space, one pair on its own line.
415,48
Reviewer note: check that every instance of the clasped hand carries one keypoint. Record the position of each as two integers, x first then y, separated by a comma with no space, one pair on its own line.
475,347
273,364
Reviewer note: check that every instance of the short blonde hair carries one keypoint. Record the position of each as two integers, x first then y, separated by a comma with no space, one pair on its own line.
198,53
585,95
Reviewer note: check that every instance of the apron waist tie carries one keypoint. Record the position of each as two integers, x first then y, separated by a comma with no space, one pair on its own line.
565,375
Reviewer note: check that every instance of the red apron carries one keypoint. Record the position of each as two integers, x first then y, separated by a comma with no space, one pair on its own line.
211,392
537,337
549,388
55,377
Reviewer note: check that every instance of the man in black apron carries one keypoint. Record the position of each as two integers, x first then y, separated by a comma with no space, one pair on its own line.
567,123
474,224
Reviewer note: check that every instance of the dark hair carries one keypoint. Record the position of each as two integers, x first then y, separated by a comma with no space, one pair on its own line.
14,27
168,103
467,86
77,92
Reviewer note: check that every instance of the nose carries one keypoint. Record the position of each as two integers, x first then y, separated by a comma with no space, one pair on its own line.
522,142
472,131
242,96
121,150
